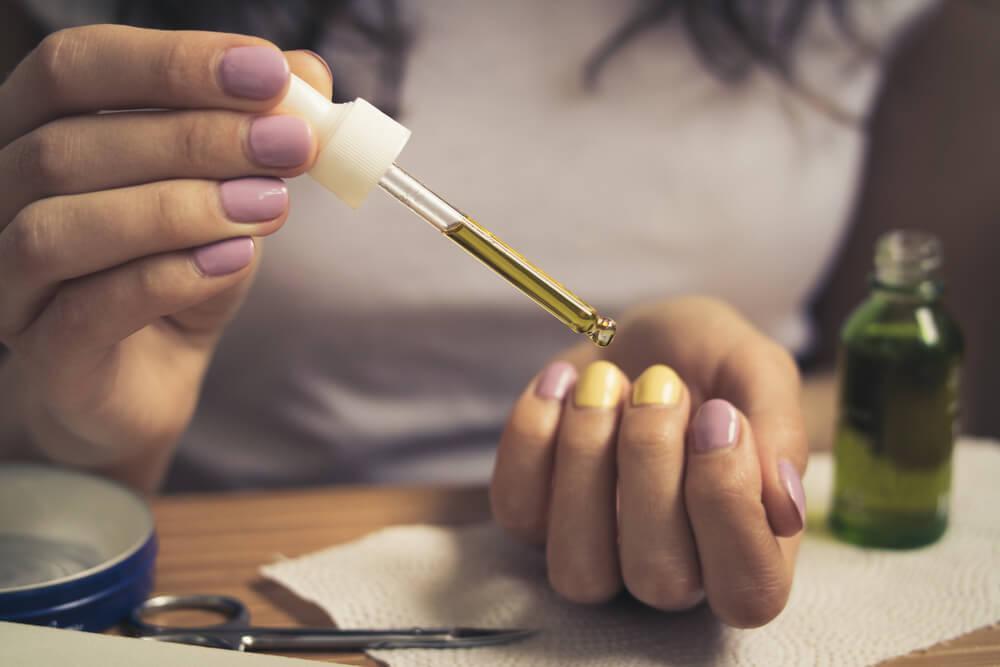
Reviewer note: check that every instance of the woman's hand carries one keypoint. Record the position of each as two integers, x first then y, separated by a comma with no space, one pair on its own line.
127,239
678,485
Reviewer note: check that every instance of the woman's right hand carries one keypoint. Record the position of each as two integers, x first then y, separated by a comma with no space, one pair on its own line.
127,239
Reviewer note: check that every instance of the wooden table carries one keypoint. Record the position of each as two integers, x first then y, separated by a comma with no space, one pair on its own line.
216,543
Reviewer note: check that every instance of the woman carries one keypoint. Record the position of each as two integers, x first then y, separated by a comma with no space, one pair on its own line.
370,351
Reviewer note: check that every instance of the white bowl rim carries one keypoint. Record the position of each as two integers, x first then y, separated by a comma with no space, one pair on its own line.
138,544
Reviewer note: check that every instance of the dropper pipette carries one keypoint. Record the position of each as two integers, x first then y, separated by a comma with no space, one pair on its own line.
358,148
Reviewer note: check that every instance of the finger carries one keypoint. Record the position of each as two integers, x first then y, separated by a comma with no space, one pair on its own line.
659,562
745,574
722,355
89,153
90,315
763,380
311,68
103,67
522,474
582,548
62,238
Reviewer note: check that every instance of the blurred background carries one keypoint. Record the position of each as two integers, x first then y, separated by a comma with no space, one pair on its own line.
931,162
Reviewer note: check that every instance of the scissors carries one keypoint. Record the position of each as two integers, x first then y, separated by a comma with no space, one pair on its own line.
234,631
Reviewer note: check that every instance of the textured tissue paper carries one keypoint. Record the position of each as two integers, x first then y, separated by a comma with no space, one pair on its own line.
848,606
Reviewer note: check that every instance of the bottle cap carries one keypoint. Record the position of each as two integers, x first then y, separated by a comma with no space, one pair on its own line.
906,257
357,142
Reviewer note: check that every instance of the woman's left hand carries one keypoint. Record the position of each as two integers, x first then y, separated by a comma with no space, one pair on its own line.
671,469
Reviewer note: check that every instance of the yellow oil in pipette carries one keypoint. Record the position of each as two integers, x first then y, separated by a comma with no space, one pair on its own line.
494,253
543,290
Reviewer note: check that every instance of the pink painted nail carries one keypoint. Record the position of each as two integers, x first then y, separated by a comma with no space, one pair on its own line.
253,199
224,257
280,141
790,479
556,380
253,72
716,426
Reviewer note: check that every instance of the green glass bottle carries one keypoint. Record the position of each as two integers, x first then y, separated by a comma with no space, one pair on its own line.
899,367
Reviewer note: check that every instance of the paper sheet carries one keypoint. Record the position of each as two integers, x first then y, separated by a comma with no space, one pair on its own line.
848,606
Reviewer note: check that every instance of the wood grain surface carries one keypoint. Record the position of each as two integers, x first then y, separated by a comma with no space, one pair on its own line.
216,543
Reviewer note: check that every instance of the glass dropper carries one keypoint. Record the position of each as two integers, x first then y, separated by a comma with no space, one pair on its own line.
494,253
358,146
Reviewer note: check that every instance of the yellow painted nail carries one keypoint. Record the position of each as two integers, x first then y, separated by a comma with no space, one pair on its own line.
658,385
600,386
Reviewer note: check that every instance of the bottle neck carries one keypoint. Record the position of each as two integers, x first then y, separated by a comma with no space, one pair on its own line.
924,291
907,265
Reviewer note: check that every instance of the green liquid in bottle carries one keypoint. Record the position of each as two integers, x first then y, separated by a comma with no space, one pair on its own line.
899,368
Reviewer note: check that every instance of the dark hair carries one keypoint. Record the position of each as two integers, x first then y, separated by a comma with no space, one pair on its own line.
731,37
372,25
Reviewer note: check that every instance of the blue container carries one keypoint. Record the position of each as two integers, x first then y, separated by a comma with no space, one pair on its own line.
76,551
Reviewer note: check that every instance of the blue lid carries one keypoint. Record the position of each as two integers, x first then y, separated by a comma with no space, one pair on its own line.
76,550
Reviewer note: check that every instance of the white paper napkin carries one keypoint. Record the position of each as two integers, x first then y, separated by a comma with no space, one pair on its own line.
849,606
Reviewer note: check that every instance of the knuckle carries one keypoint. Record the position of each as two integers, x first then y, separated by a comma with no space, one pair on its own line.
24,244
54,56
783,358
174,209
584,585
23,159
151,284
41,157
195,142
664,585
579,449
204,201
579,442
755,604
779,360
175,67
519,517
648,439
722,491
70,317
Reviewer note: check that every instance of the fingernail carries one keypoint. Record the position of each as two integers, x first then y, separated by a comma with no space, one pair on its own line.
790,479
658,385
322,62
253,199
280,141
224,257
600,386
716,426
253,72
556,380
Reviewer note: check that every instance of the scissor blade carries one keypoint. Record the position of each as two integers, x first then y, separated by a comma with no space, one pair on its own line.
457,637
486,636
331,639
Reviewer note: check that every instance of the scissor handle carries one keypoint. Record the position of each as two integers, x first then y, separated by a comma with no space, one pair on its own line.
234,613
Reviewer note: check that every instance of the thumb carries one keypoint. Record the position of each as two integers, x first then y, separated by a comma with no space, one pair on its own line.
764,383
311,68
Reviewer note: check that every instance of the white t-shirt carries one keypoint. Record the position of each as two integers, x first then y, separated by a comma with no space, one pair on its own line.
371,349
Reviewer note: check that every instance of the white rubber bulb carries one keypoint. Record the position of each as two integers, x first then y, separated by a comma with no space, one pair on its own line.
357,142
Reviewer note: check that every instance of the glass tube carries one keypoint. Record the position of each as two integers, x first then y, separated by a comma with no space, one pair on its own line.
494,253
